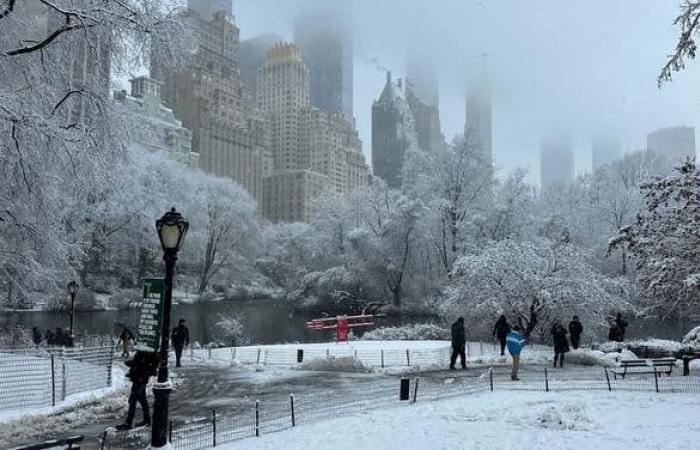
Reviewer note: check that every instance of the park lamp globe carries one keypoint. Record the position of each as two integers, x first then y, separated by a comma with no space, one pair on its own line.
73,288
172,228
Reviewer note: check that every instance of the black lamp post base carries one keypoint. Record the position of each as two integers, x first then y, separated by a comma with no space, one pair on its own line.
161,392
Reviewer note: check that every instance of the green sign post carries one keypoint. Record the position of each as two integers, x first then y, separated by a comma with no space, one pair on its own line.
148,339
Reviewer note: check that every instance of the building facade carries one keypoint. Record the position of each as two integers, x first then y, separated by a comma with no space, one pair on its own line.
676,143
393,132
604,150
557,166
211,99
313,150
155,126
478,121
426,118
253,52
325,38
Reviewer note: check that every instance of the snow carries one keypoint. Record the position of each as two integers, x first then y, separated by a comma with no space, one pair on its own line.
691,340
71,402
541,355
505,420
652,348
337,364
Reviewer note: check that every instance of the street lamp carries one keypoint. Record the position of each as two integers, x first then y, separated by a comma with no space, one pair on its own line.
73,288
172,228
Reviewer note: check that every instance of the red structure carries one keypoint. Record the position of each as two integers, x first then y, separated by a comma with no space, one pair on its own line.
341,324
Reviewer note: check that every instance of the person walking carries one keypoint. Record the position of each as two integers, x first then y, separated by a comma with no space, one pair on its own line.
36,336
515,342
141,368
58,337
125,338
575,331
614,333
501,330
458,340
561,345
622,326
180,338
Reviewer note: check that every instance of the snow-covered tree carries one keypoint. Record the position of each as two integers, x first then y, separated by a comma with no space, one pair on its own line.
665,239
511,277
686,47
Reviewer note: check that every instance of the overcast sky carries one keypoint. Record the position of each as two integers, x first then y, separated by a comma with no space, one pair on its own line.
578,66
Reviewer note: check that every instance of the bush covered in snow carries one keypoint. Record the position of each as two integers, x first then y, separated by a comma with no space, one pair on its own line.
691,341
337,364
413,332
648,348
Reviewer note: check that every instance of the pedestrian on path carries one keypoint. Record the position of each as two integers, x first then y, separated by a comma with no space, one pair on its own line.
575,332
36,336
458,341
125,339
141,368
516,342
501,330
180,338
561,345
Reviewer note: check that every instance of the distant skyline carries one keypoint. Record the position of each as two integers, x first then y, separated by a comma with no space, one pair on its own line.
580,65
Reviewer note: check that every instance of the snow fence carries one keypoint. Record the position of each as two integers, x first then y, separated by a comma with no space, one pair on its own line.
35,376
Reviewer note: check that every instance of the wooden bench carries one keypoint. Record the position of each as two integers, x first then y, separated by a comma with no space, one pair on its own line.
651,365
70,443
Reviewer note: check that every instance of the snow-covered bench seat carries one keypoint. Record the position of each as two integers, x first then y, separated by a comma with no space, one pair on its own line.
71,443
635,366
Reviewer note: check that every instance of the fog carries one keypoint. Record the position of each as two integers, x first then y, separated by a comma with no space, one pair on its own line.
584,67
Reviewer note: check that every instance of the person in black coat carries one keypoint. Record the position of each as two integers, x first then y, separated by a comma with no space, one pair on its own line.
36,336
141,368
501,330
180,338
458,340
622,326
561,345
575,331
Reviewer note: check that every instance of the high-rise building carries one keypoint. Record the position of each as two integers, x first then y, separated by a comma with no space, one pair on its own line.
207,8
324,36
556,161
478,120
423,79
393,133
210,98
604,150
676,143
314,150
252,53
427,120
155,126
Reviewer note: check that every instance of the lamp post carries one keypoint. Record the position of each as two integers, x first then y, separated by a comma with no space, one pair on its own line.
73,288
172,228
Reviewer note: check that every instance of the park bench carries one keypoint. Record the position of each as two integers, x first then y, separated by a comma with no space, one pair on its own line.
70,443
686,357
645,366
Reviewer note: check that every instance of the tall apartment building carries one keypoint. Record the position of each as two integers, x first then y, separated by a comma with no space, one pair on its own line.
208,8
314,150
427,120
253,52
479,120
324,36
210,98
393,132
604,150
676,143
155,126
556,161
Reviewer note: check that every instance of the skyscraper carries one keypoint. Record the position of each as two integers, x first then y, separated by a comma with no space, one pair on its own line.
556,161
207,8
393,132
604,150
423,78
478,120
210,98
676,143
314,150
324,36
252,53
423,97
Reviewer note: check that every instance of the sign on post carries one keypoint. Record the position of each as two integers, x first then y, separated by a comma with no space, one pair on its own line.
148,338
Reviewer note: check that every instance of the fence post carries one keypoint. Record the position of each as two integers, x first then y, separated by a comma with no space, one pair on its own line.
491,378
291,406
481,348
607,378
257,418
328,353
382,358
546,380
63,381
656,379
408,358
104,438
233,356
109,366
258,360
53,381
209,352
213,425
468,351
170,434
415,390
354,353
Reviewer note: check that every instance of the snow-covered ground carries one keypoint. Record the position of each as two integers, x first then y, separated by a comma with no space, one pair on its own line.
506,420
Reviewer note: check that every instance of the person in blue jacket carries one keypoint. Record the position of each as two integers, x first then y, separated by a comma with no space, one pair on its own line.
516,341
